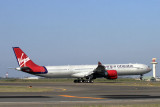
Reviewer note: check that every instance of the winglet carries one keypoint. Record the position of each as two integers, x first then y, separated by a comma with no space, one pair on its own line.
99,63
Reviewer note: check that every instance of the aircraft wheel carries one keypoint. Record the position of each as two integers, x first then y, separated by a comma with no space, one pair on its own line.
83,81
87,81
91,81
79,81
75,81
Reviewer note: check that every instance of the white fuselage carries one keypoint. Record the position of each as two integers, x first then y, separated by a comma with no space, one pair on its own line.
80,71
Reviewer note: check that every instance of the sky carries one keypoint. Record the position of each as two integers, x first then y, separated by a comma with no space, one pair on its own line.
73,32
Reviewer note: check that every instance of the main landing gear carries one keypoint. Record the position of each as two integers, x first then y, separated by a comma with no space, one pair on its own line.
81,80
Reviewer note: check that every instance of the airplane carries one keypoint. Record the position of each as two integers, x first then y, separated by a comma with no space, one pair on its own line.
83,73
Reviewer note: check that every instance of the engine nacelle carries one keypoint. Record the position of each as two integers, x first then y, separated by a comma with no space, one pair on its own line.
112,74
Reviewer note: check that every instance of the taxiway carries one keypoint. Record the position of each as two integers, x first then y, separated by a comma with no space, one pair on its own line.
80,93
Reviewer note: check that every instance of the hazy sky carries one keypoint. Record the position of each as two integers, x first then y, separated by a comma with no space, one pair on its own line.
67,32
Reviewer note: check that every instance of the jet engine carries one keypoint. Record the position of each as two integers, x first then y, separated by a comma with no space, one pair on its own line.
112,74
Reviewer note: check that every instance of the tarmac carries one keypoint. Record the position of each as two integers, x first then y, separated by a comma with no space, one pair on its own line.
72,94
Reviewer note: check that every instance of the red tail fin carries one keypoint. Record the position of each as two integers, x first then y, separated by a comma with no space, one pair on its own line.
22,58
24,61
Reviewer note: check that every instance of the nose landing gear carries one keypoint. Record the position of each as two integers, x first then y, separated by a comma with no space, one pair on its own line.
141,77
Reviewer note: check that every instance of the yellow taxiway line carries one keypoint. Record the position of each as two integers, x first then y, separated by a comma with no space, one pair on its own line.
79,97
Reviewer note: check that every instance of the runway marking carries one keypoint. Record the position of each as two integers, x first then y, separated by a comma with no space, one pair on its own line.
79,97
62,89
59,89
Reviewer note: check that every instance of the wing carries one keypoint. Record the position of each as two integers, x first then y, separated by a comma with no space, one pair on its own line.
98,72
100,69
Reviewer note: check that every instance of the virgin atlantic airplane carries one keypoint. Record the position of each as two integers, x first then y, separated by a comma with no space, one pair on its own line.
83,73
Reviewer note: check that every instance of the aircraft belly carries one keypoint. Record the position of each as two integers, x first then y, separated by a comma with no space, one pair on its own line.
57,74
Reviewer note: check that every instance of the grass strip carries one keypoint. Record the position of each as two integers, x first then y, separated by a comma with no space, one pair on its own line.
24,89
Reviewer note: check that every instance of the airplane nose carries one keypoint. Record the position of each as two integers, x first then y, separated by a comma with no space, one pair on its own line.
149,69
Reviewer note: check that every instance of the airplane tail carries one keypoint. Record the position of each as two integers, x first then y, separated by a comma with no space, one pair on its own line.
26,64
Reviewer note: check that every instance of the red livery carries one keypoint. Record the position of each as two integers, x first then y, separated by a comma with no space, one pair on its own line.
26,64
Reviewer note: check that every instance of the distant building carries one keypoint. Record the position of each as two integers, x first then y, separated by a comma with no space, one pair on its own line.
7,75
